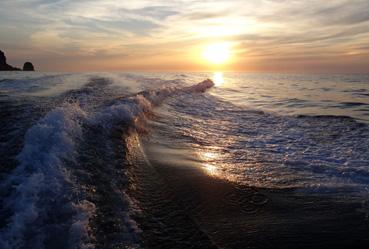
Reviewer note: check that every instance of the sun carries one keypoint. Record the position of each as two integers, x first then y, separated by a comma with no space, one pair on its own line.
217,53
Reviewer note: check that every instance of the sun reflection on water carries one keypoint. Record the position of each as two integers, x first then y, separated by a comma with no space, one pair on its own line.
209,159
216,164
218,78
210,169
209,155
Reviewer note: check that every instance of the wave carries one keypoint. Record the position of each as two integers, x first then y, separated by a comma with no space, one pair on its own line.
339,117
42,200
37,193
132,109
43,84
352,104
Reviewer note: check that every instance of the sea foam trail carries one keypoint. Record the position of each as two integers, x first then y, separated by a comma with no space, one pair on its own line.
37,190
40,203
105,129
131,109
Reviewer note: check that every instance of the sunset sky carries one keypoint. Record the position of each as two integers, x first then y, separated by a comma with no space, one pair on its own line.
260,35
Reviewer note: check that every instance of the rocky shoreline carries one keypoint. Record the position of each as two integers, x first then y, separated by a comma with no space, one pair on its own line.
4,66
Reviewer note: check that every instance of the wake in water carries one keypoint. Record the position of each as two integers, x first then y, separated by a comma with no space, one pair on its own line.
44,204
37,194
154,161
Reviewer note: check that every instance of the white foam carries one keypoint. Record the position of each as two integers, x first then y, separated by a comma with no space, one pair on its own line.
78,231
41,186
39,183
130,109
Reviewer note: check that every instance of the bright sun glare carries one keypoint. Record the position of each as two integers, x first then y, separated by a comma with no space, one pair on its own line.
218,78
217,53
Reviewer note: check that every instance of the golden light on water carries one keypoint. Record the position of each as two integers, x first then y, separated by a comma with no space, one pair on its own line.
209,155
214,164
217,53
211,169
209,158
218,78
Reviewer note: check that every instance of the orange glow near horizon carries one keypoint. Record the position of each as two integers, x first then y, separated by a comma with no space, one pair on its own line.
188,36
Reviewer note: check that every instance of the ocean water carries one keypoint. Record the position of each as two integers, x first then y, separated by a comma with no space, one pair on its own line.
168,160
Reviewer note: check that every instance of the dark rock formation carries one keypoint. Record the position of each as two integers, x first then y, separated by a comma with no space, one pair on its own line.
4,66
28,66
2,58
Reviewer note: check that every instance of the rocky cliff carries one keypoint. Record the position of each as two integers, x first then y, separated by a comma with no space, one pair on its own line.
6,67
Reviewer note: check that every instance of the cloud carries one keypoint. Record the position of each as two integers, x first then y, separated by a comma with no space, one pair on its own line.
103,26
314,12
141,29
156,12
203,15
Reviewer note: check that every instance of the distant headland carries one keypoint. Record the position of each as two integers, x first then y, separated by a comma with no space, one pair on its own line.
28,66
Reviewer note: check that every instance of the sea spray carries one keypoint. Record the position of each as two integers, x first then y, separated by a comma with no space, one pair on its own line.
38,187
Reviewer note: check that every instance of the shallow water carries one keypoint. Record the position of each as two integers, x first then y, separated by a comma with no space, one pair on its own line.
149,160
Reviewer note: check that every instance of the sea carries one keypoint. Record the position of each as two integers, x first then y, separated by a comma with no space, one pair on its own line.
174,160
